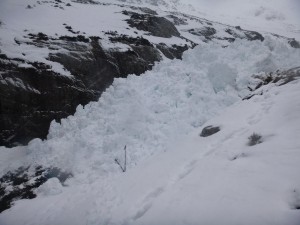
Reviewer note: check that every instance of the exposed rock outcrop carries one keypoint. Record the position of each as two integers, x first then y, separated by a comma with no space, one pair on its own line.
31,97
22,183
156,26
209,130
278,77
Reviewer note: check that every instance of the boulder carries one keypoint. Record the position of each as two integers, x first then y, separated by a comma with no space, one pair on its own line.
209,130
156,26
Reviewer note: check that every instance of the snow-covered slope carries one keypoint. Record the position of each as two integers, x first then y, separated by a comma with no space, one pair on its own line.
243,83
174,176
275,16
22,20
76,48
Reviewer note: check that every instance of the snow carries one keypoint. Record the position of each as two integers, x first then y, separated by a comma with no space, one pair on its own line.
50,187
89,20
274,16
174,176
18,21
147,112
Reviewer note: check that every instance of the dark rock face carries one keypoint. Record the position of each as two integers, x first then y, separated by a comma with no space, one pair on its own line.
294,43
87,2
31,97
136,61
20,184
177,21
174,52
207,32
209,130
210,33
156,26
88,63
249,35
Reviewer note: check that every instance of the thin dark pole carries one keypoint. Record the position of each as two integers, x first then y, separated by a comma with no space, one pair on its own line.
125,158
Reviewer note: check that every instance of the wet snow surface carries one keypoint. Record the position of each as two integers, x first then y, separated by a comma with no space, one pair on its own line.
173,175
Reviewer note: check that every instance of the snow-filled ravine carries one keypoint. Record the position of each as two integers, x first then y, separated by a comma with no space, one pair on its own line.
173,175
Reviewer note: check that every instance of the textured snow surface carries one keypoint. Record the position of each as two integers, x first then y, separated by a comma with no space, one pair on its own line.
174,176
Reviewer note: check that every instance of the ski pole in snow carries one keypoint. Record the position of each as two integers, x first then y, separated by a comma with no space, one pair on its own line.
125,160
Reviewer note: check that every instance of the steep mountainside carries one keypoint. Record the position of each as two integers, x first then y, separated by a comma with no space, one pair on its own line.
204,136
55,55
145,112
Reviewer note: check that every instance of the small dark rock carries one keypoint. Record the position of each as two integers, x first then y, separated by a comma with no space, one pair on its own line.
294,43
253,35
178,21
82,38
174,52
209,130
125,39
78,38
206,32
230,40
295,203
156,26
38,37
148,11
88,2
297,207
42,37
254,139
244,34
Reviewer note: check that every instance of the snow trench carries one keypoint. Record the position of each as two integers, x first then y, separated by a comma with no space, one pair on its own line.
148,113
